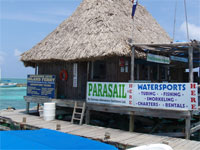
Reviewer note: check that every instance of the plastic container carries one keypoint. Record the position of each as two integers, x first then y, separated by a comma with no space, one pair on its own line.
49,111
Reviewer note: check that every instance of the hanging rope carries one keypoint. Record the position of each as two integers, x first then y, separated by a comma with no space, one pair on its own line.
174,29
186,21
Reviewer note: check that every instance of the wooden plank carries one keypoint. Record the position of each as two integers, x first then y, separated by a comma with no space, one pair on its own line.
134,141
72,128
182,145
194,129
132,138
122,137
87,129
176,142
79,129
191,145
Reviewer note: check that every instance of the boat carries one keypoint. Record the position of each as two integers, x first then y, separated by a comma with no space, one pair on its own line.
6,84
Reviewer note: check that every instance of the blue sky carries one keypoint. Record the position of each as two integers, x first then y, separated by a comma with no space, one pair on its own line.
23,23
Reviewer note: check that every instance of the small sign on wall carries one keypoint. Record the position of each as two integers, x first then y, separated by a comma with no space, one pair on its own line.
41,86
75,75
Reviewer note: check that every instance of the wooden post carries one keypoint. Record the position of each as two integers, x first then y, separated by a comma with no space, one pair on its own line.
88,70
190,57
158,72
187,120
87,117
131,122
132,63
58,127
27,107
187,127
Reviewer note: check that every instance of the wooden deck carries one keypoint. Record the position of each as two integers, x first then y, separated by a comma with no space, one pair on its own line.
119,137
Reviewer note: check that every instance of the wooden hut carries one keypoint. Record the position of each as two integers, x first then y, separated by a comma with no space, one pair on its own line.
95,44
98,32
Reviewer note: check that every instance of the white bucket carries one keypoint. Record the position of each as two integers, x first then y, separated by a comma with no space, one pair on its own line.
49,111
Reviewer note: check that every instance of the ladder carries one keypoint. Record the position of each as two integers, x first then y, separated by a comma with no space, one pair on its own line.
78,113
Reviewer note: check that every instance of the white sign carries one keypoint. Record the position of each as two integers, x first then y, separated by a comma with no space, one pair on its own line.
175,96
75,74
158,59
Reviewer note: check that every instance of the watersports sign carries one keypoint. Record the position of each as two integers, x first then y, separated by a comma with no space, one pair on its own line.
158,59
176,96
41,86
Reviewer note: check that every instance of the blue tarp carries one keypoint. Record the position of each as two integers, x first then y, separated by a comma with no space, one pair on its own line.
47,139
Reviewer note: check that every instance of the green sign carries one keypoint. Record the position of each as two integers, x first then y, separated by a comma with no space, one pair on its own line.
106,90
158,59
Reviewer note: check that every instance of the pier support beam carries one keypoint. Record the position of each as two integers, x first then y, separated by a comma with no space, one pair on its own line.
131,122
187,127
27,107
87,117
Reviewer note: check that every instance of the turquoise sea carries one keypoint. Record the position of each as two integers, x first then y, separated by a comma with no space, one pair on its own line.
13,96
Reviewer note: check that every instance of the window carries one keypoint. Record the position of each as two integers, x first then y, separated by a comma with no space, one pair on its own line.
123,65
99,70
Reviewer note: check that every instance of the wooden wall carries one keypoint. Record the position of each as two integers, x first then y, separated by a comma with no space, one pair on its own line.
113,73
65,89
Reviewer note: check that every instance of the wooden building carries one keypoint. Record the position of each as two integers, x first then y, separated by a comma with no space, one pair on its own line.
96,36
94,44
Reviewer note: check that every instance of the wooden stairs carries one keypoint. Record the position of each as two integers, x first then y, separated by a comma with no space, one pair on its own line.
78,113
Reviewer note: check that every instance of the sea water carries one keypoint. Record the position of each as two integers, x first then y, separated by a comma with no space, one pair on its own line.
13,96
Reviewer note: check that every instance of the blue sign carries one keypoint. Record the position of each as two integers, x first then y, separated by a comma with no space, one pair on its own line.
181,59
41,86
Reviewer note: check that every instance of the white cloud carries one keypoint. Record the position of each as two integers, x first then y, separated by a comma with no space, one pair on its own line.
194,30
2,57
17,53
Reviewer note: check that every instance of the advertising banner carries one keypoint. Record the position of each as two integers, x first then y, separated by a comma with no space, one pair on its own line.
41,86
175,96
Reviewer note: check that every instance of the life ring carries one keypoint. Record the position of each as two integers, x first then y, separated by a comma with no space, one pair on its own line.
63,75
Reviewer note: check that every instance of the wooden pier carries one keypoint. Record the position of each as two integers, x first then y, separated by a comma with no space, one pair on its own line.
118,137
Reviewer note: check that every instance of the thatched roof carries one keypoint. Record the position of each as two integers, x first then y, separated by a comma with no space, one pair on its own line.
98,28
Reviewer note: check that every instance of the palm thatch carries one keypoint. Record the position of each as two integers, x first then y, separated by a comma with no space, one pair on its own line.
98,28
